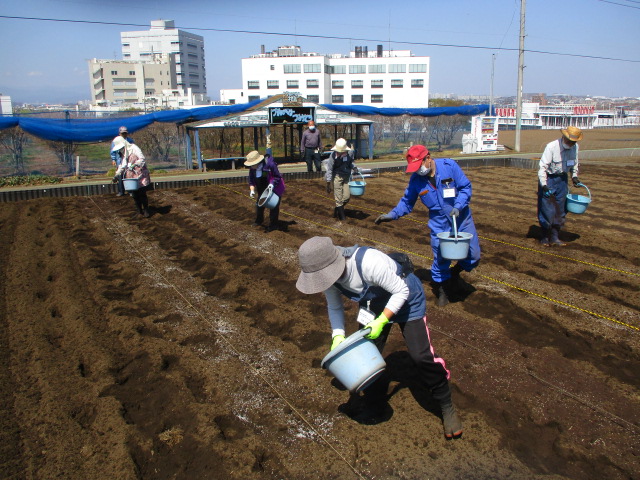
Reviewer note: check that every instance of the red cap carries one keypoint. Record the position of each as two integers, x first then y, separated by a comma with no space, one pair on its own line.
415,155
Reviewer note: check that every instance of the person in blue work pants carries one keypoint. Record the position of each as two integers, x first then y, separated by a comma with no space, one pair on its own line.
445,190
559,158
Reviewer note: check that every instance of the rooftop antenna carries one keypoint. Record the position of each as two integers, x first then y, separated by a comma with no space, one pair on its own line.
523,4
389,33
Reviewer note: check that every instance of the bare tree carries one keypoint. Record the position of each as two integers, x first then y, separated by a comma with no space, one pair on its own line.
157,140
64,151
14,139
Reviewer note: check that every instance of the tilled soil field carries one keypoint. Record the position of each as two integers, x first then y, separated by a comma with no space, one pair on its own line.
178,346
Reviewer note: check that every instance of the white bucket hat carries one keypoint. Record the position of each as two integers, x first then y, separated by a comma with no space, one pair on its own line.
118,144
341,146
322,264
253,158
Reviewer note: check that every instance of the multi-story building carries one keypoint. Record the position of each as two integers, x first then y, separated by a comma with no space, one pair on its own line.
126,82
5,105
380,78
164,37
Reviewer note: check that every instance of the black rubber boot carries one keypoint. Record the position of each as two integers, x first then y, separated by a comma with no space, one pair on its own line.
441,295
341,215
335,212
450,420
554,238
544,241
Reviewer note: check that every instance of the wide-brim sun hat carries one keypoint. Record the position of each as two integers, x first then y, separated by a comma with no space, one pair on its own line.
415,156
322,264
340,146
253,158
118,144
572,133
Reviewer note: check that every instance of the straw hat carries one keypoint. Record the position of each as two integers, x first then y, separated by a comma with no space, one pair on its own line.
118,144
340,146
572,133
415,155
322,264
253,159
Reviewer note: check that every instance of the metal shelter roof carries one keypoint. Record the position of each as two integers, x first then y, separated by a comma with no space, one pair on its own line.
258,116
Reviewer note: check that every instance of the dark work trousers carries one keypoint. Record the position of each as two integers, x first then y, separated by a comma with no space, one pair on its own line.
141,199
312,158
121,183
431,368
551,210
262,184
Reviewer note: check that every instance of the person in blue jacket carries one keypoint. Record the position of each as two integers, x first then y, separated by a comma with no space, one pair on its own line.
445,190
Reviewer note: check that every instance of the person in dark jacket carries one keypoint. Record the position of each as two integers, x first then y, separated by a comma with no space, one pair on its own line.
339,168
311,147
263,174
386,294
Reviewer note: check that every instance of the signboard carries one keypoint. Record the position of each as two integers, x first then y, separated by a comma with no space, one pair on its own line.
281,115
291,99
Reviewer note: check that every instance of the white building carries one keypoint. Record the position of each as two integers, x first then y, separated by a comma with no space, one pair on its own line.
125,82
5,105
379,78
163,37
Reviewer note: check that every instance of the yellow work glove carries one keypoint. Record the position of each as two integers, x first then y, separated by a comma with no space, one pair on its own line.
337,340
376,326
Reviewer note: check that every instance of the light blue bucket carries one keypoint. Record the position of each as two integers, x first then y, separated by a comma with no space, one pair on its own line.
578,203
356,362
268,198
454,247
356,187
130,184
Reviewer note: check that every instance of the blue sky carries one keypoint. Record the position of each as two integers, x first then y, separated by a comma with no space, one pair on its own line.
44,61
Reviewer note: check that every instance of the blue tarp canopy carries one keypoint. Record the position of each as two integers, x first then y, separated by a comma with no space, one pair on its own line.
95,130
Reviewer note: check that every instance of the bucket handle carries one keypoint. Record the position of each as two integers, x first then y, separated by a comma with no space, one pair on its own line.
455,229
589,192
351,176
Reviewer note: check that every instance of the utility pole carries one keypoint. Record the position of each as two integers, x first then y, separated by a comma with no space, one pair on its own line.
493,64
520,75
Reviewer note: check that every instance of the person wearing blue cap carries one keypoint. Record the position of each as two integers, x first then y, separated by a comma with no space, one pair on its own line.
445,190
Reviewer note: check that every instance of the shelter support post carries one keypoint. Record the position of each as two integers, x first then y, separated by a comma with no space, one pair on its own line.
255,138
242,141
189,159
358,152
196,139
371,133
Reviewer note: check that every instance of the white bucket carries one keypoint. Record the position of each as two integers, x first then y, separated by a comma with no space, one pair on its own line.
356,362
268,198
130,184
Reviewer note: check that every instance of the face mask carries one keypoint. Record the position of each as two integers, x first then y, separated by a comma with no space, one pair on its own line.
424,171
312,128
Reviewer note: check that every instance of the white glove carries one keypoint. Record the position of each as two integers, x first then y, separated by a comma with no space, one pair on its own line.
252,194
132,166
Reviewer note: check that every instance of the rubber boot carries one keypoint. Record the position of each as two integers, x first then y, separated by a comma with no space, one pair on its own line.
441,295
335,212
341,215
554,238
544,241
450,420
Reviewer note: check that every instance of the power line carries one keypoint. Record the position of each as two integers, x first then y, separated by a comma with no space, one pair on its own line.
330,37
620,4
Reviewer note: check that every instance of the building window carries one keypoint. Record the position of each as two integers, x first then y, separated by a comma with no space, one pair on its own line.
192,55
194,85
313,98
114,72
357,98
272,67
337,98
397,68
396,83
253,84
312,68
126,55
292,68
253,98
191,45
194,75
132,72
357,83
377,69
125,44
376,98
417,68
273,84
336,69
417,83
337,84
293,84
194,65
357,69
313,83
176,43
377,83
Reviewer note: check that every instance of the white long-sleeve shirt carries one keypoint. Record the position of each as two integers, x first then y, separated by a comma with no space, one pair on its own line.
377,270
557,158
